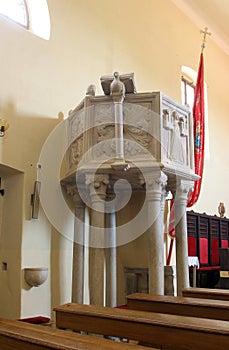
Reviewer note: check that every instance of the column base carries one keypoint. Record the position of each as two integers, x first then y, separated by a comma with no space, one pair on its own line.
136,280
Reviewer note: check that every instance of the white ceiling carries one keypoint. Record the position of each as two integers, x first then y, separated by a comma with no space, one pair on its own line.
213,14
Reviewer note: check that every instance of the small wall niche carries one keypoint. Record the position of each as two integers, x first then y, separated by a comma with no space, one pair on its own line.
4,266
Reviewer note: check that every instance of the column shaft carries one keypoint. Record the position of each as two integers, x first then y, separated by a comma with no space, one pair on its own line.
78,255
156,234
180,203
96,261
97,185
111,262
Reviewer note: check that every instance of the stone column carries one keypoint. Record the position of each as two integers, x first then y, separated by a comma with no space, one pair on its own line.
180,203
78,245
111,261
78,252
97,187
155,195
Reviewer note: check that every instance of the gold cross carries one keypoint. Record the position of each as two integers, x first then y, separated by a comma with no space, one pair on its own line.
205,32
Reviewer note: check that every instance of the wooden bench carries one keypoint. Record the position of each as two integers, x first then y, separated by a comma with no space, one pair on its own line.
171,331
206,293
213,309
23,336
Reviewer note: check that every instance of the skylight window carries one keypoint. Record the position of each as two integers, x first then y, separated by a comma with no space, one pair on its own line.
31,14
16,10
39,18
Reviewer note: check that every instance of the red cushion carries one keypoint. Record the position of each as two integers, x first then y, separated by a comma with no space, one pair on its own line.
203,250
208,268
215,252
192,246
121,307
224,243
36,319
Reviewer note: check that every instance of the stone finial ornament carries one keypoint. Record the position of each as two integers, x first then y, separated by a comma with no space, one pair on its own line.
91,90
117,86
127,79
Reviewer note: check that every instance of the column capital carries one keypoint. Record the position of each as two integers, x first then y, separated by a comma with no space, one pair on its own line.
157,177
183,187
96,179
97,185
156,185
73,192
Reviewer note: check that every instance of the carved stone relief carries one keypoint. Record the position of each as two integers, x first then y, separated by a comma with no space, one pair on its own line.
153,124
137,134
104,130
177,152
175,137
167,120
76,125
104,113
75,152
140,127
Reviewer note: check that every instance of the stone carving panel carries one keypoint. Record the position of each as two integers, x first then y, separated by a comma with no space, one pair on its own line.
76,124
175,137
140,130
104,130
153,124
75,152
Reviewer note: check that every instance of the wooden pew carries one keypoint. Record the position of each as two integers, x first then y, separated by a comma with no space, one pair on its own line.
213,309
169,331
23,336
206,293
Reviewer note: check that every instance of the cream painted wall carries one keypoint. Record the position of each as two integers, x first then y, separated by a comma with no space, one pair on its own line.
10,243
42,79
36,253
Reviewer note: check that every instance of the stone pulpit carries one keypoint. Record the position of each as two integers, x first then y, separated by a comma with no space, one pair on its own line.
120,143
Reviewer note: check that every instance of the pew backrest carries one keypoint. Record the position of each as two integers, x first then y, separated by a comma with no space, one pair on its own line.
23,336
179,332
204,308
206,293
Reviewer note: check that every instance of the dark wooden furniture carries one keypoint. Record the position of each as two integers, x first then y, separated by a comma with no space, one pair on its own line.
206,234
172,331
224,268
24,336
206,293
213,309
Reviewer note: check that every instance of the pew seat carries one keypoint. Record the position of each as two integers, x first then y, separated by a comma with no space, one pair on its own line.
24,336
204,308
165,330
206,293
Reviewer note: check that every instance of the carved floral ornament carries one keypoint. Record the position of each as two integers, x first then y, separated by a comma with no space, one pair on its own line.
137,138
156,180
98,181
182,189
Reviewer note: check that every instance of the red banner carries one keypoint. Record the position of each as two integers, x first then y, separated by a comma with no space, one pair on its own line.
198,120
198,125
